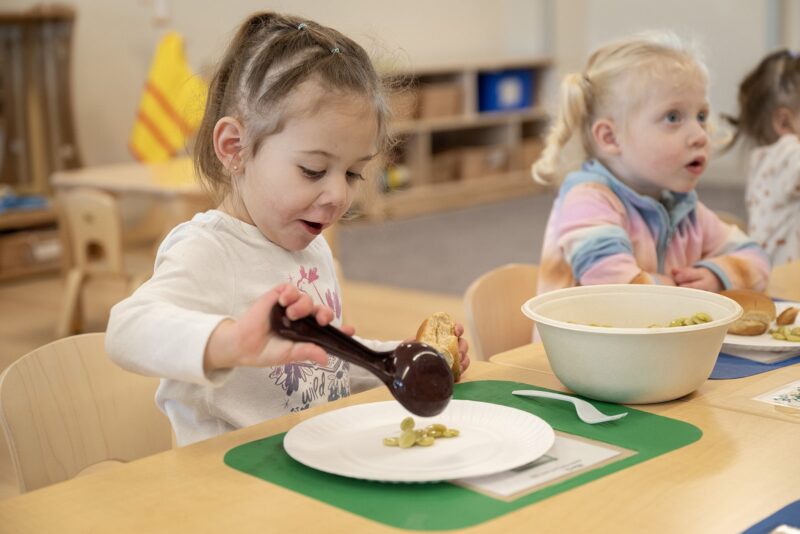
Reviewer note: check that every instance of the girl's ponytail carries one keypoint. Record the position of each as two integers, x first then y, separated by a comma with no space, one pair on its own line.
573,116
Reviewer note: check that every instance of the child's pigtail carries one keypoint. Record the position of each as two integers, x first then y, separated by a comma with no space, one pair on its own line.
731,140
572,116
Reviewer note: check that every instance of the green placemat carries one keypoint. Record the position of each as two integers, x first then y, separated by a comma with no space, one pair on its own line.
445,506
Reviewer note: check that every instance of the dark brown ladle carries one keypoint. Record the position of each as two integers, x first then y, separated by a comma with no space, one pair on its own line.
418,376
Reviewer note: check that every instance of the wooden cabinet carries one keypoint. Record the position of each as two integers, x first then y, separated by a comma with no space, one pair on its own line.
29,242
466,133
37,134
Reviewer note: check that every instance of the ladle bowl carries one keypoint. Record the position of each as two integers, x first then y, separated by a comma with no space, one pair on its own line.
416,374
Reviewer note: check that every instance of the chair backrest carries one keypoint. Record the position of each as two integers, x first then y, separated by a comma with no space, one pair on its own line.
94,229
492,304
730,218
66,406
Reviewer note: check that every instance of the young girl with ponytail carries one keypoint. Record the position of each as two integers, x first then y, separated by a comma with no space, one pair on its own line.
630,214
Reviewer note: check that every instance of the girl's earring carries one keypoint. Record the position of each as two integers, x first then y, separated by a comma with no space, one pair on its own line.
234,165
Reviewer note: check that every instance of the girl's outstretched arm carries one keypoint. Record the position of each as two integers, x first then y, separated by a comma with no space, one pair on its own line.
248,341
165,328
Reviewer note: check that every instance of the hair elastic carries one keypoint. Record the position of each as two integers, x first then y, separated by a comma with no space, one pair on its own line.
302,26
335,51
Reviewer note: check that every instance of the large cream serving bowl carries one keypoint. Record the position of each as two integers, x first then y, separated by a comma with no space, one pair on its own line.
630,361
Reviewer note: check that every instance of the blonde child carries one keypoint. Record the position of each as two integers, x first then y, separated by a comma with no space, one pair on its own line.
769,119
295,114
639,111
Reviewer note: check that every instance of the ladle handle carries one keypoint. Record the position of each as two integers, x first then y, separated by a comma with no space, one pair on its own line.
306,329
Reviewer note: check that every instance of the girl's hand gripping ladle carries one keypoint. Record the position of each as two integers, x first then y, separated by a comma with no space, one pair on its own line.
418,376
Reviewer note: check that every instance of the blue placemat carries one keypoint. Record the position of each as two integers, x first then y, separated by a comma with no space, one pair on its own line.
788,515
729,366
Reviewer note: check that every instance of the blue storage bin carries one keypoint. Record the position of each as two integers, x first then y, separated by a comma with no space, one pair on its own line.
505,89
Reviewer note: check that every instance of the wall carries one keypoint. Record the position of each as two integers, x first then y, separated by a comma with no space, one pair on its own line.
115,39
790,23
114,42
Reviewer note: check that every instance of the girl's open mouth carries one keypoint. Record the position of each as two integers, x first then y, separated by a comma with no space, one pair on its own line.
696,166
313,227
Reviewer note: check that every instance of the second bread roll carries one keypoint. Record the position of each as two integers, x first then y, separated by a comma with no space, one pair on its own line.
439,331
759,312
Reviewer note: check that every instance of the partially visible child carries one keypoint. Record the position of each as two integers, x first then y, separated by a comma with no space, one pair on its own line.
639,111
295,114
769,120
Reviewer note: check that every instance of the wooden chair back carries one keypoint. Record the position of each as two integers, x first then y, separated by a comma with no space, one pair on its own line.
94,230
492,304
66,407
731,218
92,236
784,281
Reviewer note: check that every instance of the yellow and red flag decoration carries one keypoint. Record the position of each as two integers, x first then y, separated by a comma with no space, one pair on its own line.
171,106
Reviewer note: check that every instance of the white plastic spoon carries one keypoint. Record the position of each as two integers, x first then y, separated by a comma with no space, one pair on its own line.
586,412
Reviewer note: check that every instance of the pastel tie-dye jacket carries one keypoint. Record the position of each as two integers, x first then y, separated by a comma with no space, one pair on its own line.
600,231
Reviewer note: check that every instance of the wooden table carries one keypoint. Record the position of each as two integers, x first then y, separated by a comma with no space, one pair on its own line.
743,469
175,193
169,179
736,394
172,183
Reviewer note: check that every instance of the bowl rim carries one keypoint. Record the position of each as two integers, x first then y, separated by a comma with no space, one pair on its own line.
529,311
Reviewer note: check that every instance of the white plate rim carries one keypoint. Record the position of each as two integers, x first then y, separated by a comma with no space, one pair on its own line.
763,342
536,439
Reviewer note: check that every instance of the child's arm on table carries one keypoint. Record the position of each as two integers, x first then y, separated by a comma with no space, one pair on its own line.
736,260
697,278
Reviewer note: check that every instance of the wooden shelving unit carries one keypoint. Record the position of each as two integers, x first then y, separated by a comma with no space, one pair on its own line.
454,150
29,242
37,131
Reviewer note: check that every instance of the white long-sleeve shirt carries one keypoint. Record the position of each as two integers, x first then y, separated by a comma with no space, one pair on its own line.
209,269
773,199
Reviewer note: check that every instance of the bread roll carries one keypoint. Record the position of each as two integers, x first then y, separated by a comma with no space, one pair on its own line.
787,316
438,331
759,312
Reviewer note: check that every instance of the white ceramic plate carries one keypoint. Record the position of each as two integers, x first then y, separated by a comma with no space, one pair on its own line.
349,442
764,342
